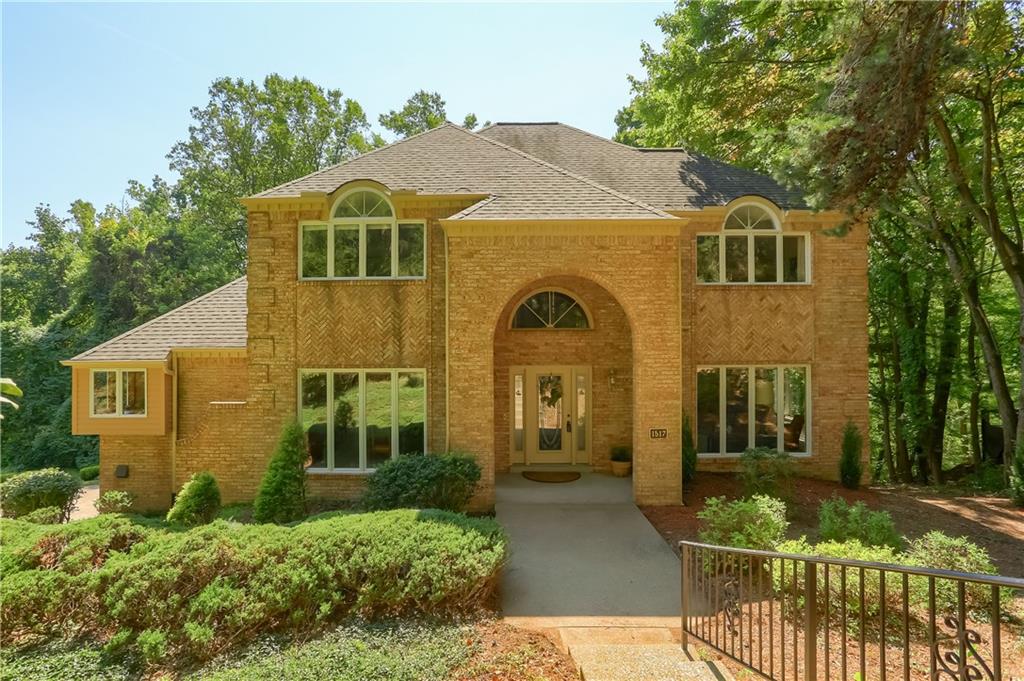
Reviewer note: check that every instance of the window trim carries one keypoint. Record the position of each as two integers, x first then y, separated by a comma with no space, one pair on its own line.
751,234
118,395
779,395
331,223
550,289
329,469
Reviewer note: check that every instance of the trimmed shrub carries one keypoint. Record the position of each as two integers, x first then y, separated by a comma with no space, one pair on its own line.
840,522
114,501
850,468
768,472
755,523
444,481
689,451
88,473
26,492
940,551
49,515
198,502
282,495
197,592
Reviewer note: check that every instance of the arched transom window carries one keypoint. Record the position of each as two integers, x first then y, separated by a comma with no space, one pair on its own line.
363,240
550,310
752,249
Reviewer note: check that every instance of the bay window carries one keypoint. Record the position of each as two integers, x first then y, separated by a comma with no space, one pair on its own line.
362,240
739,407
118,392
372,415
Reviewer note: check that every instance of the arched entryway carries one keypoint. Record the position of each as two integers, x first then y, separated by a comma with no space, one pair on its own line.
563,375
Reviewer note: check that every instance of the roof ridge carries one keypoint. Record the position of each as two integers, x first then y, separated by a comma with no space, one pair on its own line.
154,320
567,173
285,185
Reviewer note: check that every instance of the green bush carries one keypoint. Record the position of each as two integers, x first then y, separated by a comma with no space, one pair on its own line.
755,523
88,473
942,552
444,481
26,492
195,592
49,515
1017,475
689,451
114,501
622,453
198,502
840,522
850,550
850,468
282,494
767,471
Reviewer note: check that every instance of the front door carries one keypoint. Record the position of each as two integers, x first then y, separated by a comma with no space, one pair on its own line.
555,414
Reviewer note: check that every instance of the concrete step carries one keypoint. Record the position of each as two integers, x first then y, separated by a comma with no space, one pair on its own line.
641,662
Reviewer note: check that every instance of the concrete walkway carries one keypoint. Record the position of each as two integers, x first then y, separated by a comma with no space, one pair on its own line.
85,508
582,554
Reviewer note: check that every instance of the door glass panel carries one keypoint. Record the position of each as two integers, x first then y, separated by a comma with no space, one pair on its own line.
737,410
346,420
581,413
736,258
412,411
314,418
765,264
708,441
346,251
517,413
795,416
378,250
378,419
550,391
766,419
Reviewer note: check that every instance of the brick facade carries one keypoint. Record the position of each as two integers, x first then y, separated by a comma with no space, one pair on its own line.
652,327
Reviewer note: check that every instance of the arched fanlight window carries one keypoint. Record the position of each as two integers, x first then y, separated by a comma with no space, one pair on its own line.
363,204
750,216
550,310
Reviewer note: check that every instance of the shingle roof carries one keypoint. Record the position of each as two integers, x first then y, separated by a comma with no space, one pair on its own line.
670,179
213,320
452,160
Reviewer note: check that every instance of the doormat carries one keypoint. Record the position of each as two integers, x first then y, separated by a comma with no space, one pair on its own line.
551,476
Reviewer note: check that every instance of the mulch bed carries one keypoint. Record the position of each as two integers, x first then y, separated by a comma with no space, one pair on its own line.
990,522
507,653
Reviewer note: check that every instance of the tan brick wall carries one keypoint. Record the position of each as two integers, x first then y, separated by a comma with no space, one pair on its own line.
202,380
639,285
606,347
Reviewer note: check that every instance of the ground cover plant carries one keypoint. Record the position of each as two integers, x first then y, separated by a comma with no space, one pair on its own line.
164,593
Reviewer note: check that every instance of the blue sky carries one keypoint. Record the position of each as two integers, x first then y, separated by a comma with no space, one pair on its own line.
95,95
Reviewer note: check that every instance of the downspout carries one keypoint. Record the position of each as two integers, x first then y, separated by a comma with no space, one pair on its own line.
447,387
682,397
174,423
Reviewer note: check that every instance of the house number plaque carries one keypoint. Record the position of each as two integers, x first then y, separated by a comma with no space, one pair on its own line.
659,433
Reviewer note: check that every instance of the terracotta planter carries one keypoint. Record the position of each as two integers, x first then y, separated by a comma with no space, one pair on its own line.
622,469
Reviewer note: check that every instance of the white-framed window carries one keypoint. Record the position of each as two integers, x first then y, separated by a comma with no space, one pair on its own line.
550,309
117,392
356,419
752,249
363,240
739,407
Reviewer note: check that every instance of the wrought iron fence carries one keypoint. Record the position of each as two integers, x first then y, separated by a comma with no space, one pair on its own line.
804,618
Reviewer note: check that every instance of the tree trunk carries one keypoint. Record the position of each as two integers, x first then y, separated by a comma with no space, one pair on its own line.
975,410
934,435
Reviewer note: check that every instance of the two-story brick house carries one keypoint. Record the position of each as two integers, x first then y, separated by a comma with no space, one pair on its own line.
531,294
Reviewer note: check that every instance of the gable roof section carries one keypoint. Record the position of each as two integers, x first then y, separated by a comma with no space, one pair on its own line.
452,160
669,179
213,320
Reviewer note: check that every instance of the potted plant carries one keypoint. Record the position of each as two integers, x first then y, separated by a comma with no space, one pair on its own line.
622,461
